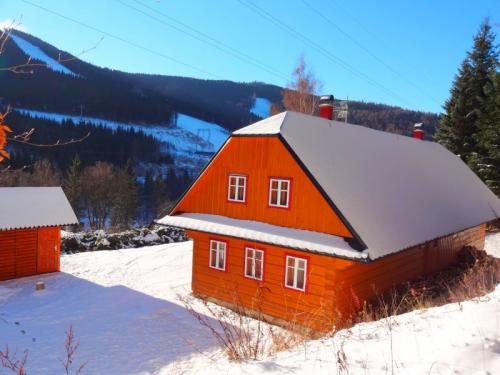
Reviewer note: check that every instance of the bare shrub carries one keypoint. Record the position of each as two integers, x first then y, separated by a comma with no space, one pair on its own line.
475,274
71,346
242,332
11,361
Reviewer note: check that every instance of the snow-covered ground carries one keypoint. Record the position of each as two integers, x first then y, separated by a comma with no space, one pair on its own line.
36,53
261,107
124,307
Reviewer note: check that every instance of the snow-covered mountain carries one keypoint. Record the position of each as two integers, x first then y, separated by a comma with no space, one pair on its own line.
191,140
36,53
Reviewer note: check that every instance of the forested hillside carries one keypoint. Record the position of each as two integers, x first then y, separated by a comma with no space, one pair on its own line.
153,133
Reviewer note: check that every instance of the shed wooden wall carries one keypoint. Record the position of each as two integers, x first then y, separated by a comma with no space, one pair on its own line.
332,282
25,252
261,158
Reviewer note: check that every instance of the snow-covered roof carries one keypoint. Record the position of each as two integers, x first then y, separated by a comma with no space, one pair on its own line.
32,207
394,191
265,233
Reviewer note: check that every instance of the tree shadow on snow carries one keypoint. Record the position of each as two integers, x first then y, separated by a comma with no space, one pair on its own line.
121,331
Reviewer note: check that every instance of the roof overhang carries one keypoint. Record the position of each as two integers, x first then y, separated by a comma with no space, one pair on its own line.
257,231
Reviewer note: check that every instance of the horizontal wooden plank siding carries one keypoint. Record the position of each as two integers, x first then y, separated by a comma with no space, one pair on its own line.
310,308
250,156
335,287
20,252
357,282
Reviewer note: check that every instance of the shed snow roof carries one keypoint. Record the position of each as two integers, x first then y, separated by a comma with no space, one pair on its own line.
31,207
266,233
394,191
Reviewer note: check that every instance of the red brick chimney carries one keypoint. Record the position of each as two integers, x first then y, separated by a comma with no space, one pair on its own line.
326,107
418,131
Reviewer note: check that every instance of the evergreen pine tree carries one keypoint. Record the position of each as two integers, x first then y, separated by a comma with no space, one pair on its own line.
486,160
72,184
460,122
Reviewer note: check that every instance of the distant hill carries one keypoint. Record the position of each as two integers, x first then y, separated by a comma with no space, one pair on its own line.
72,87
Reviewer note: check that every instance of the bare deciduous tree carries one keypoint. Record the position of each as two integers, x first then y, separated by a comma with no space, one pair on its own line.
301,93
98,193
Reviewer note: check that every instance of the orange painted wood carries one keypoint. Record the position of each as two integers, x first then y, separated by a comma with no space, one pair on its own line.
336,287
49,240
29,252
260,158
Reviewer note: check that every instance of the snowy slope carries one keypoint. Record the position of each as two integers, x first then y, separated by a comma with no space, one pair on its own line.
124,307
193,139
261,107
37,54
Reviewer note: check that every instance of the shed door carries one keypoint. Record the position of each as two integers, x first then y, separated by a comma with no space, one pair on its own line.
7,255
26,252
48,249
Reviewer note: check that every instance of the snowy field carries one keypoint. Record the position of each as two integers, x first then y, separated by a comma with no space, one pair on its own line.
124,307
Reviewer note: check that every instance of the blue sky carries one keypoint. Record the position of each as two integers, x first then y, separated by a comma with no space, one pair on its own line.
397,52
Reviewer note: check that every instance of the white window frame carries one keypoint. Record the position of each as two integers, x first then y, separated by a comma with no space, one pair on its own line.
216,248
252,274
279,190
296,268
238,179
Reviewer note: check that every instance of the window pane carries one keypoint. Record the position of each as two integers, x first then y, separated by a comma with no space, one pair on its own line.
213,258
232,192
300,279
301,264
283,199
232,181
258,269
241,191
274,184
258,255
290,262
274,197
222,256
289,276
249,266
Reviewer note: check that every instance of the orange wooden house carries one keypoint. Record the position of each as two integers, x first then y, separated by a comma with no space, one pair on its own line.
30,230
302,218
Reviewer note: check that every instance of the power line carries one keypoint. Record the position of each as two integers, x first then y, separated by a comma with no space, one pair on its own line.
373,55
372,34
133,44
207,39
337,60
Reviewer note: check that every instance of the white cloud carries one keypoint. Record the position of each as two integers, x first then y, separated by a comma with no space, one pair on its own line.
15,24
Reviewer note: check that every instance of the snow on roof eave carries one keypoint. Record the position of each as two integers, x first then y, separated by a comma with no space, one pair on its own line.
268,126
34,207
4,229
298,239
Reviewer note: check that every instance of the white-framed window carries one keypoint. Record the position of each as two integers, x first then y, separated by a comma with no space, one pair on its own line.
279,192
254,263
218,255
237,188
296,273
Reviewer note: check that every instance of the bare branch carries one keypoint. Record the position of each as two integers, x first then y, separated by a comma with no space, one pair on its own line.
27,67
10,361
25,138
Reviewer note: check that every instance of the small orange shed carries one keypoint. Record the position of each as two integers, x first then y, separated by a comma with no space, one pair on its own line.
301,218
30,230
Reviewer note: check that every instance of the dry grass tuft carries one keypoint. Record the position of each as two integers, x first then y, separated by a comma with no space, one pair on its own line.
474,275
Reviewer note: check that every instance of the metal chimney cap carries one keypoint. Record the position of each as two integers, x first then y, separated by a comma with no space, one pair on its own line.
326,98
